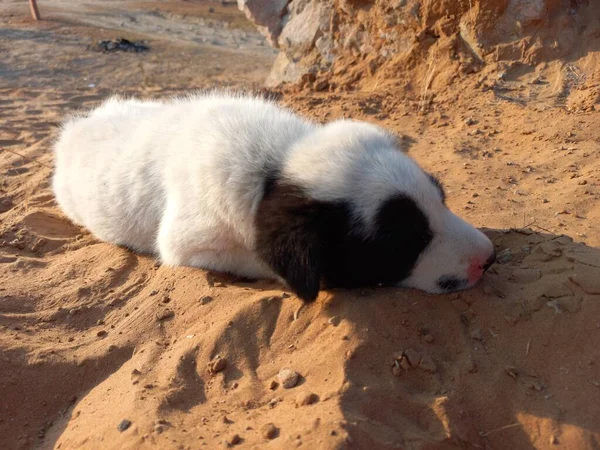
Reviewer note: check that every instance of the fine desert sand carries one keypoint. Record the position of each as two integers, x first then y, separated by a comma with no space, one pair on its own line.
101,348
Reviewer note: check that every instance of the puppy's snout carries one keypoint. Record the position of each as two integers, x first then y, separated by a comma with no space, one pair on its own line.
491,260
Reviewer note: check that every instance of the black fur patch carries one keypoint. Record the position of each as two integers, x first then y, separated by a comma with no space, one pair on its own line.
307,241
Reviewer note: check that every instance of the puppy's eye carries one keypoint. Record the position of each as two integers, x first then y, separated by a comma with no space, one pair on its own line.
439,186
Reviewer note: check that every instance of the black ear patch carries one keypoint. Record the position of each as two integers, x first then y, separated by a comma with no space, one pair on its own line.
289,228
387,256
306,241
439,186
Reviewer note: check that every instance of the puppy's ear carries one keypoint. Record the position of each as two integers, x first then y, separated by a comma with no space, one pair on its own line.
289,228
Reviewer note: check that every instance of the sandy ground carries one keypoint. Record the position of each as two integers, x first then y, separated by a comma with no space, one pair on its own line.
102,348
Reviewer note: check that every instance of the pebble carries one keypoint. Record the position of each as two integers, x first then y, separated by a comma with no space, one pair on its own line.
124,425
288,378
159,429
218,365
396,371
428,338
205,300
512,371
306,398
335,321
233,440
101,333
269,431
476,334
273,385
427,364
504,256
164,314
414,357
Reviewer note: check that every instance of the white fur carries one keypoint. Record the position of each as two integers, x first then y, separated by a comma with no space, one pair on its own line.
183,179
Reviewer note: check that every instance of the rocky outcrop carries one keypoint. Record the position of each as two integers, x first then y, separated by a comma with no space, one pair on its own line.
361,39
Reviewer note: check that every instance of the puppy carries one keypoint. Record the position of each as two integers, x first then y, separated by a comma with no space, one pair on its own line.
237,184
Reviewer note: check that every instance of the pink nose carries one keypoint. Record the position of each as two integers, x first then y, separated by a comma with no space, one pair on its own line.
478,266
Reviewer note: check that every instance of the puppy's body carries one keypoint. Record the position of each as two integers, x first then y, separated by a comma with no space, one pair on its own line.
181,179
236,184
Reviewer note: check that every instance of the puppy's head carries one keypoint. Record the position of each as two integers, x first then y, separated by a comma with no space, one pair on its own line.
349,209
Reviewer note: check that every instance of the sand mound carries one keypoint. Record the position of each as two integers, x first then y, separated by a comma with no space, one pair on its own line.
101,348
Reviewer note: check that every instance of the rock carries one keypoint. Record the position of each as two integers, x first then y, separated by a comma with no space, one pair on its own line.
269,431
511,371
527,11
587,278
101,333
428,338
427,364
288,378
159,429
267,15
321,85
306,398
234,440
335,321
504,256
218,365
123,425
273,385
476,334
164,314
414,357
300,32
205,300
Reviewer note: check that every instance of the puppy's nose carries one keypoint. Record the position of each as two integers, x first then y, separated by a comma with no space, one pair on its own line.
491,260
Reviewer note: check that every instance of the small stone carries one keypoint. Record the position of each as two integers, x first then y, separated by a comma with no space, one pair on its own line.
153,292
470,121
405,364
396,370
273,385
306,398
165,299
335,321
511,371
205,300
218,365
101,333
288,378
233,440
124,425
427,364
321,85
159,429
553,440
428,338
476,334
413,356
164,314
269,431
582,183
504,256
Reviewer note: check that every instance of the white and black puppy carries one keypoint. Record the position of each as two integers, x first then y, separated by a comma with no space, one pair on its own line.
237,184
